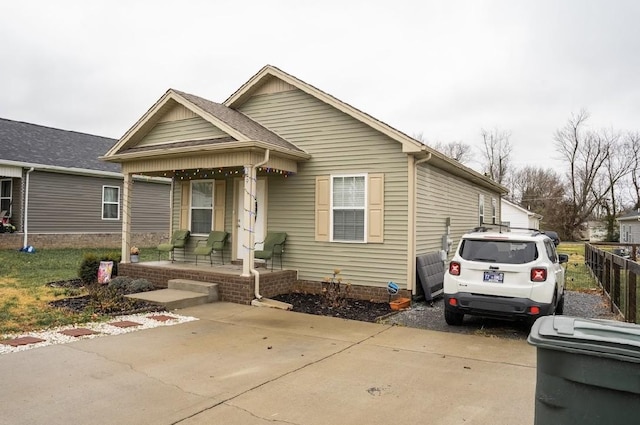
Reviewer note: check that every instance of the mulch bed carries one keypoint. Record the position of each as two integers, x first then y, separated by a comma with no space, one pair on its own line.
353,309
84,303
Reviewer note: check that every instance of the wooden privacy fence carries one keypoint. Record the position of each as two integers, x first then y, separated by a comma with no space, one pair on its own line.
618,277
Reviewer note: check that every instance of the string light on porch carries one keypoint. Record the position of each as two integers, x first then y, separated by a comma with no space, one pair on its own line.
217,173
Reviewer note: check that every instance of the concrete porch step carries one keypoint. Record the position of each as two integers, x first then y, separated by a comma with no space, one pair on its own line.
207,288
172,299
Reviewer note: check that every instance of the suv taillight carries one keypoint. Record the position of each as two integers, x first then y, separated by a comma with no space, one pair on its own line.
538,275
454,268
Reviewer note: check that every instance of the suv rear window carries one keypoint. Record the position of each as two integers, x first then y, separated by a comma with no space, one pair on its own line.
496,251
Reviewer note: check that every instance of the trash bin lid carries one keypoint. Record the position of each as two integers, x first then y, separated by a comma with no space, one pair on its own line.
598,337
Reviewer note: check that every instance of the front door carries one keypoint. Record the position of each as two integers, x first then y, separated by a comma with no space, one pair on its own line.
242,252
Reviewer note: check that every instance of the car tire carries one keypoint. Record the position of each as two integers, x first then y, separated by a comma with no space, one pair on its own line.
560,306
452,318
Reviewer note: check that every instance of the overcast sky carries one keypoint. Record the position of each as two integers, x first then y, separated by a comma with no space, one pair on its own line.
445,69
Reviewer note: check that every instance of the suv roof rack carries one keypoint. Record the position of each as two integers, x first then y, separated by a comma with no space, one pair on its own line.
485,227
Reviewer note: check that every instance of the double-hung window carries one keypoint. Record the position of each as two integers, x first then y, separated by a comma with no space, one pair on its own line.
481,209
348,208
5,196
110,203
201,207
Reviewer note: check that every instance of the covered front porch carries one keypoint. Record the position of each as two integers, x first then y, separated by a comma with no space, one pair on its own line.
232,285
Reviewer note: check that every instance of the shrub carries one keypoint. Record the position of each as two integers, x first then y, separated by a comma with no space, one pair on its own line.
119,284
124,285
140,285
334,293
88,271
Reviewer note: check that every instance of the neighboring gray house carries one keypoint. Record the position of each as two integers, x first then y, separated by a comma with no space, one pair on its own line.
281,155
630,227
57,193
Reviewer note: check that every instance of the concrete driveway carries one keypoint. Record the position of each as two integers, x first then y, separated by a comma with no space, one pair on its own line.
252,365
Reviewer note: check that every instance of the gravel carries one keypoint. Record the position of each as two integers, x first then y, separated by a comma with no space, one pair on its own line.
53,336
422,315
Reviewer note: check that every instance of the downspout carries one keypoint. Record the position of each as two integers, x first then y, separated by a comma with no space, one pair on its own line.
26,207
411,253
252,236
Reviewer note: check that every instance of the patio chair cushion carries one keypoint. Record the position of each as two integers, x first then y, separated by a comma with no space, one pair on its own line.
178,240
215,242
273,244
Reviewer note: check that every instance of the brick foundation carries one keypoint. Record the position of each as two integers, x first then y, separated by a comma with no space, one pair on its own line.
366,293
238,289
77,240
232,288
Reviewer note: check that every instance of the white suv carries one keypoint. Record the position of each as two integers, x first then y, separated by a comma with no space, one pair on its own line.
513,275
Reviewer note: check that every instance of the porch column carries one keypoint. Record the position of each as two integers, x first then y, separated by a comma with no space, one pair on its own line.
127,188
248,230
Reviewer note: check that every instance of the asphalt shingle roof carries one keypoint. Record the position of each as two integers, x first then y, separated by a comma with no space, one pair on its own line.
36,144
239,122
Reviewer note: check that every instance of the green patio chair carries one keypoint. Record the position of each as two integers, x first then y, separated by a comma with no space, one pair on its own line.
273,247
214,243
179,239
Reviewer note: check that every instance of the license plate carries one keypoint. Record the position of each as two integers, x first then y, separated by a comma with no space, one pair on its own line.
494,277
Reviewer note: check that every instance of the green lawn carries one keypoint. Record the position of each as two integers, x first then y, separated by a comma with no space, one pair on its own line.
24,294
578,276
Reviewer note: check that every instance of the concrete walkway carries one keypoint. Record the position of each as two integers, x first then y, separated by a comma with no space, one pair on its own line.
252,365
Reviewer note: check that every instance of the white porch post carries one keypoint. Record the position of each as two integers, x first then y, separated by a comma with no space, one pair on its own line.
127,188
248,214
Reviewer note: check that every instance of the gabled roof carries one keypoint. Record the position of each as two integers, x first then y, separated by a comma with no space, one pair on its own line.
25,144
409,144
241,129
633,215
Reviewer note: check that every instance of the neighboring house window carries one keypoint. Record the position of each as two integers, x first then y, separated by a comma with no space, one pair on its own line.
110,203
494,210
201,207
5,196
481,209
348,208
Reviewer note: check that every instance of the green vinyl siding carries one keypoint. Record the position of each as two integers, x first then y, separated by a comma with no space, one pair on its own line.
440,196
181,130
338,144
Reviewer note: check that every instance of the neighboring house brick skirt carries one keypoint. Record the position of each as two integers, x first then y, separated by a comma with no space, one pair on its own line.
78,240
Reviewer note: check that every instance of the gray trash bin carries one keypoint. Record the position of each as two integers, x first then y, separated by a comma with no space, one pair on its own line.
588,371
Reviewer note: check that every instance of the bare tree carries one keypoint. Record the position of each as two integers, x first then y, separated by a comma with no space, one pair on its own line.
541,191
594,168
497,154
633,146
456,150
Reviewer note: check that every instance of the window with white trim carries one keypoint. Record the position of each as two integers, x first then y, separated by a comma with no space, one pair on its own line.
480,209
494,210
5,196
110,203
348,208
201,207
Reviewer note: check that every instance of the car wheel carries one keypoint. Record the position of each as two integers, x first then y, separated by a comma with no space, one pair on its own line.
560,305
452,318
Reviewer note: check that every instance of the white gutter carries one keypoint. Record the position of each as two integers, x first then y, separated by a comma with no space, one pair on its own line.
79,171
252,236
411,250
26,208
